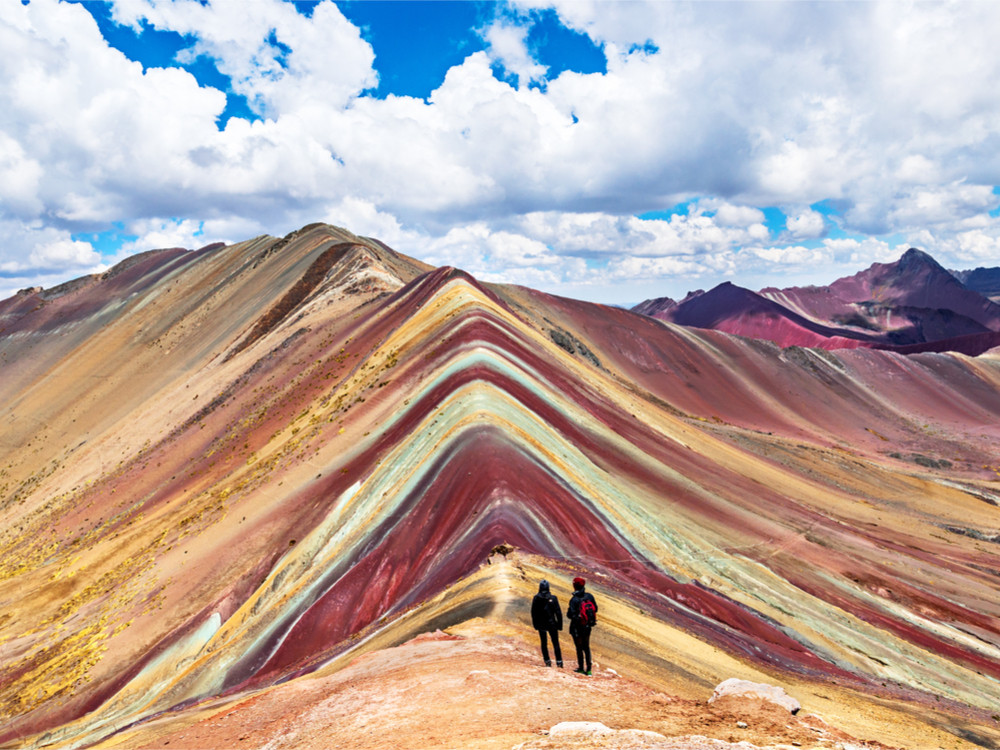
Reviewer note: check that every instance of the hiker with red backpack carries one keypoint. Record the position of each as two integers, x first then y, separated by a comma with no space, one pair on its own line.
582,615
546,618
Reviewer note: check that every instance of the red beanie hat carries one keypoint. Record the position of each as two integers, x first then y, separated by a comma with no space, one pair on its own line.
579,583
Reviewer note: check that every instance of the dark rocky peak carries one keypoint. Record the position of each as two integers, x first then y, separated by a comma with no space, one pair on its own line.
914,259
912,265
725,301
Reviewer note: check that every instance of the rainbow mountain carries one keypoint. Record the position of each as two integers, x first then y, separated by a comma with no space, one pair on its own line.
227,469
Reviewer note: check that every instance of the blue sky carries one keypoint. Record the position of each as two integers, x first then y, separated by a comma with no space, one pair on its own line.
611,151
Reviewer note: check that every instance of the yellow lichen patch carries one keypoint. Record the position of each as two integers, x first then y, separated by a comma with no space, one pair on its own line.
71,639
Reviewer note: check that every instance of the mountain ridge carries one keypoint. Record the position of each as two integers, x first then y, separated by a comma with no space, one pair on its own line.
187,520
912,303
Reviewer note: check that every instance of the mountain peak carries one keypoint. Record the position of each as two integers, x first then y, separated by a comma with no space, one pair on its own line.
911,301
914,259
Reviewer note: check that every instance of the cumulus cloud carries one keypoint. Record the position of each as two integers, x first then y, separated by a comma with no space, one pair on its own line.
64,253
42,256
849,252
729,215
695,234
979,245
20,176
276,57
477,247
508,46
805,225
953,205
105,135
794,255
42,249
633,268
885,110
155,234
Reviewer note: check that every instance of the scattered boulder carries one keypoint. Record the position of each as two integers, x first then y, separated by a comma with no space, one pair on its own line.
580,729
761,690
575,732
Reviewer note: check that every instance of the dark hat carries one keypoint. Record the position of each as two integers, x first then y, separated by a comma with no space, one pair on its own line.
543,587
579,583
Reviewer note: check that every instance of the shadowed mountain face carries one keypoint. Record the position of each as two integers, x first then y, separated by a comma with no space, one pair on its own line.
911,305
226,469
985,281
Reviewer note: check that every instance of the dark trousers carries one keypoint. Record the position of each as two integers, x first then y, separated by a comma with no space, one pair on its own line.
581,639
555,645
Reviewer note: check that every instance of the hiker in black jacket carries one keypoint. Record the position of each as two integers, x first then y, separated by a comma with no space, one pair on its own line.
582,616
547,618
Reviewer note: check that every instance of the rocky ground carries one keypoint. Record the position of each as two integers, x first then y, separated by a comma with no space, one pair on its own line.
482,686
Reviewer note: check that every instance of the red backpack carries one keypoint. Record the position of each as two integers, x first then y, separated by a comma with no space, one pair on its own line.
588,613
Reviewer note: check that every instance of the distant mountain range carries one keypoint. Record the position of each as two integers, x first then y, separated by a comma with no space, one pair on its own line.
911,305
986,281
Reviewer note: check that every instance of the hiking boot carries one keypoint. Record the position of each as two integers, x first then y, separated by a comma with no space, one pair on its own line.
548,663
559,664
588,673
580,670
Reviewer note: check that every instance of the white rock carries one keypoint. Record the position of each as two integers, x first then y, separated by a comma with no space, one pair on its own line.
642,736
619,738
747,689
580,729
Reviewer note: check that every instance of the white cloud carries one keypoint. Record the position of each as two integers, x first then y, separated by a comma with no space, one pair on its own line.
852,253
979,246
64,253
20,176
946,205
887,110
507,44
694,234
41,256
277,58
635,269
476,247
794,255
106,137
805,225
963,250
729,215
157,234
363,218
917,169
